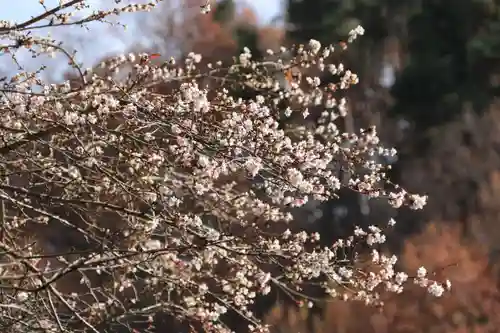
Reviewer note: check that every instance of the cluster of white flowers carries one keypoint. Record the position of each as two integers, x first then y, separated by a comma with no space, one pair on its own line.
182,192
354,33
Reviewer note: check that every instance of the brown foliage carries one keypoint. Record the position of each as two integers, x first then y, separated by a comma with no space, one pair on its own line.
460,159
210,38
271,37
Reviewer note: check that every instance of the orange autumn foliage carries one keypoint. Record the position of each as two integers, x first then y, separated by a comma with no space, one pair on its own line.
209,37
271,37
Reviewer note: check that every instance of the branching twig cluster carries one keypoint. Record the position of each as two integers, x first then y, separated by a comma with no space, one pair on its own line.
120,202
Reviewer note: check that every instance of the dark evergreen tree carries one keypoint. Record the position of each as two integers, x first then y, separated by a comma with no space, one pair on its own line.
329,20
453,51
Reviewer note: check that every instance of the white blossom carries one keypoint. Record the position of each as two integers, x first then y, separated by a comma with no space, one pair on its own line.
421,272
183,199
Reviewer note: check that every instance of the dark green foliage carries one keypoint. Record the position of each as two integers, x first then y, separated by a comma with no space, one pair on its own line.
453,51
247,35
309,19
330,20
225,11
452,48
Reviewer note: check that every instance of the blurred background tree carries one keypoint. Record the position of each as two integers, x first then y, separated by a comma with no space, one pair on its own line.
453,54
449,52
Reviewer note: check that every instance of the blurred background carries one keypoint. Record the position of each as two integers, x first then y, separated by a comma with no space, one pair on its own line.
428,80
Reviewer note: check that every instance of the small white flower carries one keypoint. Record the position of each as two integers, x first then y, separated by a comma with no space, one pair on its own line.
153,244
203,161
435,289
22,296
73,172
220,309
305,113
314,45
295,177
203,288
253,166
190,301
418,201
448,285
421,272
206,8
354,33
287,234
401,277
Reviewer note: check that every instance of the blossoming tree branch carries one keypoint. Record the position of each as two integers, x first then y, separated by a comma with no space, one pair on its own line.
120,202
